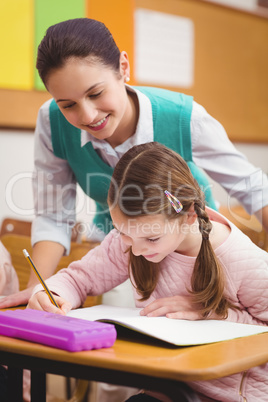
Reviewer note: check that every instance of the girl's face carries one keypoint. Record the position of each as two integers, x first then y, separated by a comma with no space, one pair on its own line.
93,97
152,236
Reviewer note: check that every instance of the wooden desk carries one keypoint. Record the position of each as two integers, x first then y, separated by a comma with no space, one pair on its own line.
138,362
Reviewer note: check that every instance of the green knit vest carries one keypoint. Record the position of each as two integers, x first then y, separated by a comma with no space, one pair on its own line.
171,122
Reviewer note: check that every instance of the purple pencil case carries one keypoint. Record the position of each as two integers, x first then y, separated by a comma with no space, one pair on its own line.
58,331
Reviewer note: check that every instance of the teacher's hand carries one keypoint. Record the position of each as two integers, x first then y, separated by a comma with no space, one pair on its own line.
16,299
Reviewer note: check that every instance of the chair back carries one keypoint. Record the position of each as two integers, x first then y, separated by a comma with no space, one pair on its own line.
23,227
17,226
16,243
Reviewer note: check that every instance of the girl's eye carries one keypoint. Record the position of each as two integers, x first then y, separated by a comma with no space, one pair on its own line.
153,240
95,95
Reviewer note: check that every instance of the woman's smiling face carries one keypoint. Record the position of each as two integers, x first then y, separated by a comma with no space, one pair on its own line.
92,96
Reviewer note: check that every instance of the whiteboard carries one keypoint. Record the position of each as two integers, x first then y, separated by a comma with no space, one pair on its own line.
163,48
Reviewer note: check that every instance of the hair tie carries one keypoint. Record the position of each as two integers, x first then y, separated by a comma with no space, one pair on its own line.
205,236
177,205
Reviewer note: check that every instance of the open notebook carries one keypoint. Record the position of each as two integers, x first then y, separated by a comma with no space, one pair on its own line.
176,332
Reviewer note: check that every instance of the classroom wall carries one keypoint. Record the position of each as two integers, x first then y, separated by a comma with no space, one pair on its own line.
16,147
21,90
243,4
16,164
228,54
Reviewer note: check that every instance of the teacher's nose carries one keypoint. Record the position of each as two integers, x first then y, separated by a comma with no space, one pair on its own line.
88,115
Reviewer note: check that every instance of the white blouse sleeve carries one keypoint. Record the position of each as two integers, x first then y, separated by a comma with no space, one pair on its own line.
213,151
54,188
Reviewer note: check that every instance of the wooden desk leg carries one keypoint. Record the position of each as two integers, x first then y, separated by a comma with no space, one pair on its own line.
14,377
38,386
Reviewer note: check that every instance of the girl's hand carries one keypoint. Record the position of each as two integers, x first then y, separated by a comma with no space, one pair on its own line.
41,301
179,307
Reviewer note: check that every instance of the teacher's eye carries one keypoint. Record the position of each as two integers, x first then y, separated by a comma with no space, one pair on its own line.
68,106
95,95
153,240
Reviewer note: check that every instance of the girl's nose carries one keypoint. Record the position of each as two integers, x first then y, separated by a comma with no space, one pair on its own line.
137,249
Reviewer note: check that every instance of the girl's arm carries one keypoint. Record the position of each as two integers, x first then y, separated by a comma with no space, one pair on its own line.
253,290
100,270
247,281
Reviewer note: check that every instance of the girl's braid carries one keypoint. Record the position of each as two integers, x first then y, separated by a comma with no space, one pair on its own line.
205,225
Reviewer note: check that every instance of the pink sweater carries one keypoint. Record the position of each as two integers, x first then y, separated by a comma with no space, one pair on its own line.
246,269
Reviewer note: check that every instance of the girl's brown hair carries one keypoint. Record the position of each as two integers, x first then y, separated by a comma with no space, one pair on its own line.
137,188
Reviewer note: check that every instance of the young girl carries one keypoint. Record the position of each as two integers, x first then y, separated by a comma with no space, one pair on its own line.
94,119
185,261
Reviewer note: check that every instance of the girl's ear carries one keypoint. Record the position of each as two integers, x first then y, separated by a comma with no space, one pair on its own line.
191,215
124,66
